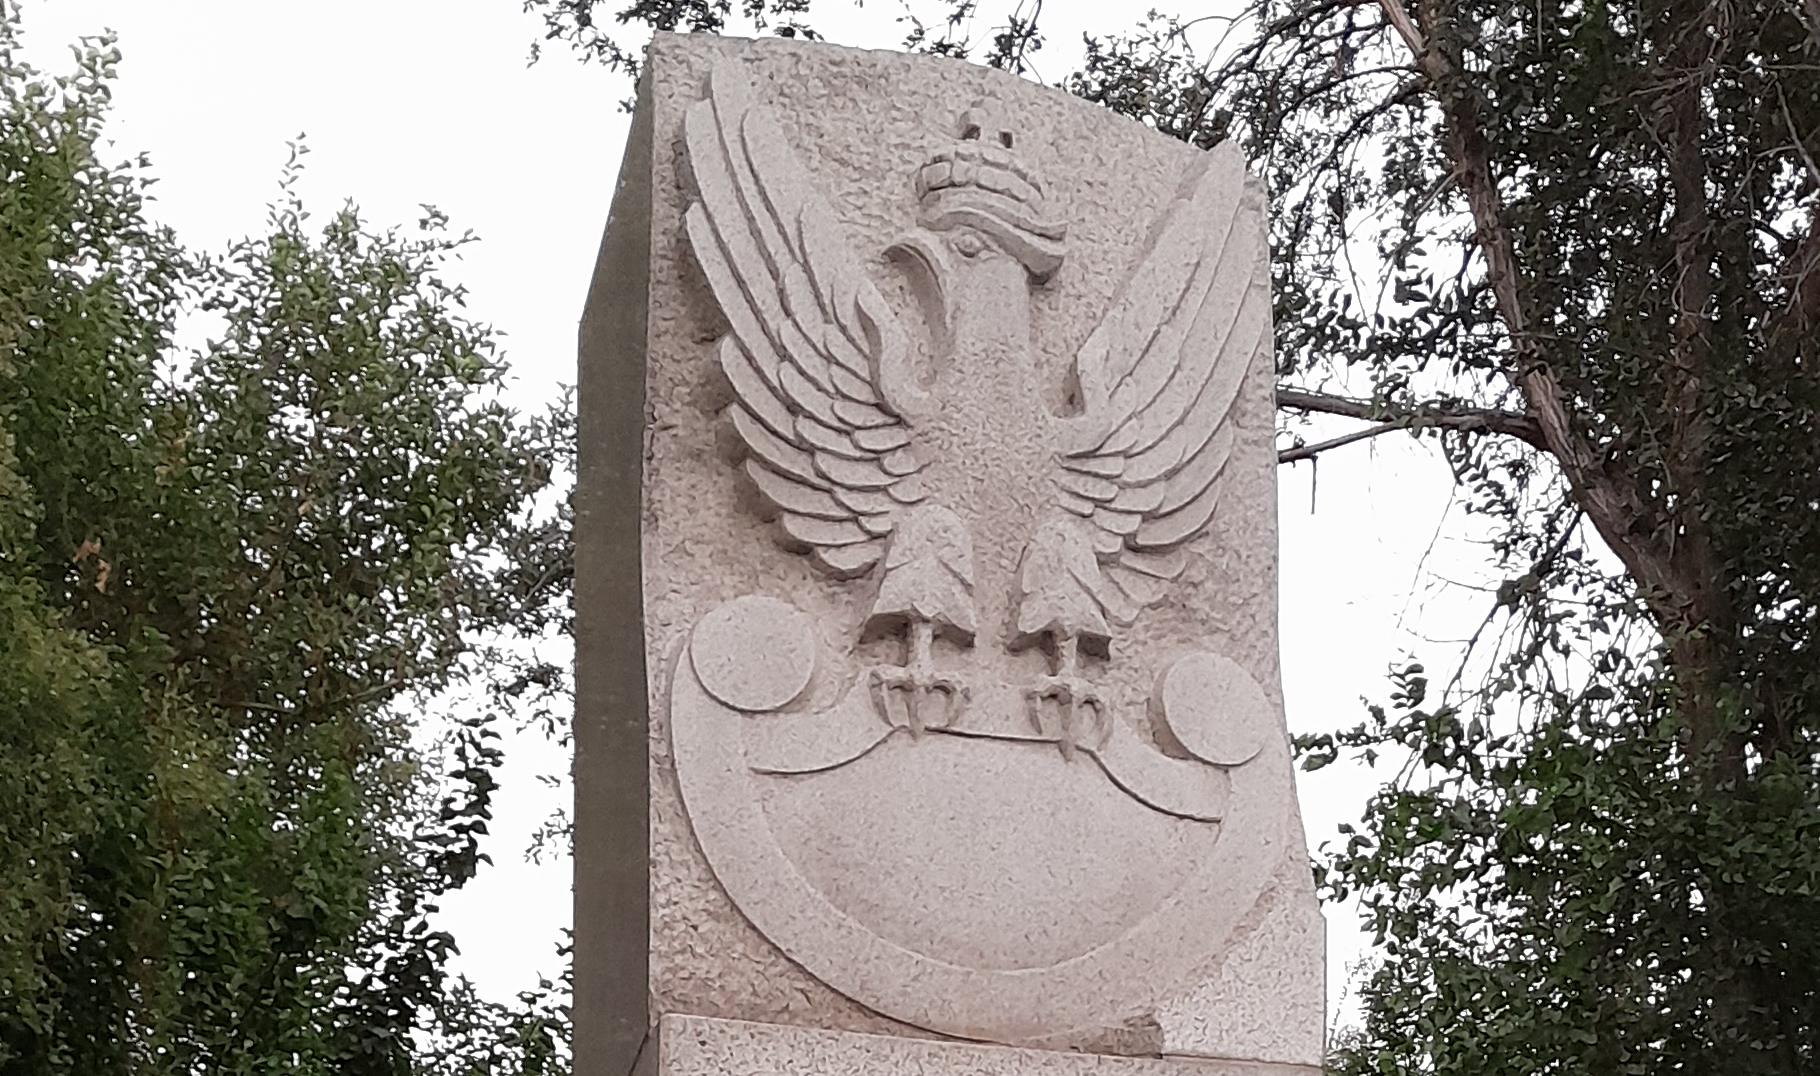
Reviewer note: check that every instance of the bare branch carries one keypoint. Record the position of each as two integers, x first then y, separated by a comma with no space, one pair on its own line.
1399,18
1421,416
1308,452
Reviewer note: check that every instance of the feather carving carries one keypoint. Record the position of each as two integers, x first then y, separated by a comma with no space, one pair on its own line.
816,358
1144,467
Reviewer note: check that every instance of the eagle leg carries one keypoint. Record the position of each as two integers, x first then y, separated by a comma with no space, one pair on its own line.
928,587
1059,580
1064,706
915,685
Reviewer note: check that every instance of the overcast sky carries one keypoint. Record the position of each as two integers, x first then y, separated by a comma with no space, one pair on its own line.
405,102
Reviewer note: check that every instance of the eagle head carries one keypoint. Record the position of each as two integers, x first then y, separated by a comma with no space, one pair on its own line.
981,189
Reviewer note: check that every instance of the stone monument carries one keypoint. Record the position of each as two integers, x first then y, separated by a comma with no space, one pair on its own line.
928,710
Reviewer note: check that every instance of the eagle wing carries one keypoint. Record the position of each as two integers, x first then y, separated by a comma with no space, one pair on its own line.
1158,378
816,358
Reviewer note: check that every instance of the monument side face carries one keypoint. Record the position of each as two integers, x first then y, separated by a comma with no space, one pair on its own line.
932,444
612,877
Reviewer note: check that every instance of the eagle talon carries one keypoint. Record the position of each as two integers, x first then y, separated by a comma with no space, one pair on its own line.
902,697
1066,709
915,683
1064,706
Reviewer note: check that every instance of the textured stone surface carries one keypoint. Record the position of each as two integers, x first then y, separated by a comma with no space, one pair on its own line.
696,1046
858,815
754,654
1213,710
1267,996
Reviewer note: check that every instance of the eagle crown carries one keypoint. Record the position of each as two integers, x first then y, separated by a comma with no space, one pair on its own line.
980,189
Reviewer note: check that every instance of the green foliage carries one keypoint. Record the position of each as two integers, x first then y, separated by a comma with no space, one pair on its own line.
1598,851
226,579
948,29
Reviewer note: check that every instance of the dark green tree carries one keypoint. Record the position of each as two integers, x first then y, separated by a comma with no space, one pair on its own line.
1578,243
233,581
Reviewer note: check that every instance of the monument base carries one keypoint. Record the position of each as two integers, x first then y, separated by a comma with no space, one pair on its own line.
704,1046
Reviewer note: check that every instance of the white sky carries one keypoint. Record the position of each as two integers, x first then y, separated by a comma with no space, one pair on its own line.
431,101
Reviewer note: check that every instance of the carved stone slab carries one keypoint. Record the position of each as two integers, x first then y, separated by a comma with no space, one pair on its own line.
927,431
699,1046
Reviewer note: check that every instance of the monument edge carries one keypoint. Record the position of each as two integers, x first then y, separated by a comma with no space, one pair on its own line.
611,1017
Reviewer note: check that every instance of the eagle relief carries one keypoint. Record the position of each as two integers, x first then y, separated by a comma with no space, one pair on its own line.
951,800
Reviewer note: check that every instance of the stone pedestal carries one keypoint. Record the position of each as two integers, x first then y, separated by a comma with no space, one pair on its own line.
704,1046
928,712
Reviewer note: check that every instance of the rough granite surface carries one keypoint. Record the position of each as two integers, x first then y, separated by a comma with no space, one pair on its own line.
695,1046
861,123
1267,998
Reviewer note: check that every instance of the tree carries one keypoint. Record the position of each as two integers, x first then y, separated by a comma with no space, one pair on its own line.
228,576
1578,243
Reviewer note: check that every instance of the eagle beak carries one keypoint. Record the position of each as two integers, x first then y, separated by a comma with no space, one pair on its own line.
930,276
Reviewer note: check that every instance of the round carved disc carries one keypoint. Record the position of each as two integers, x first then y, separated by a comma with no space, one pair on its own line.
979,884
1213,708
754,653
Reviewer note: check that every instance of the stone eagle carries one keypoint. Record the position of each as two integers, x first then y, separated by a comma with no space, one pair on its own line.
874,466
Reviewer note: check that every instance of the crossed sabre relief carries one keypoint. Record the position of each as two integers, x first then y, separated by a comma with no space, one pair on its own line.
848,446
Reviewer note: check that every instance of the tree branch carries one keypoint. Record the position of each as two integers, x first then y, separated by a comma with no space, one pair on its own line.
1800,316
1406,28
1613,506
1308,452
1800,274
357,698
1395,417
